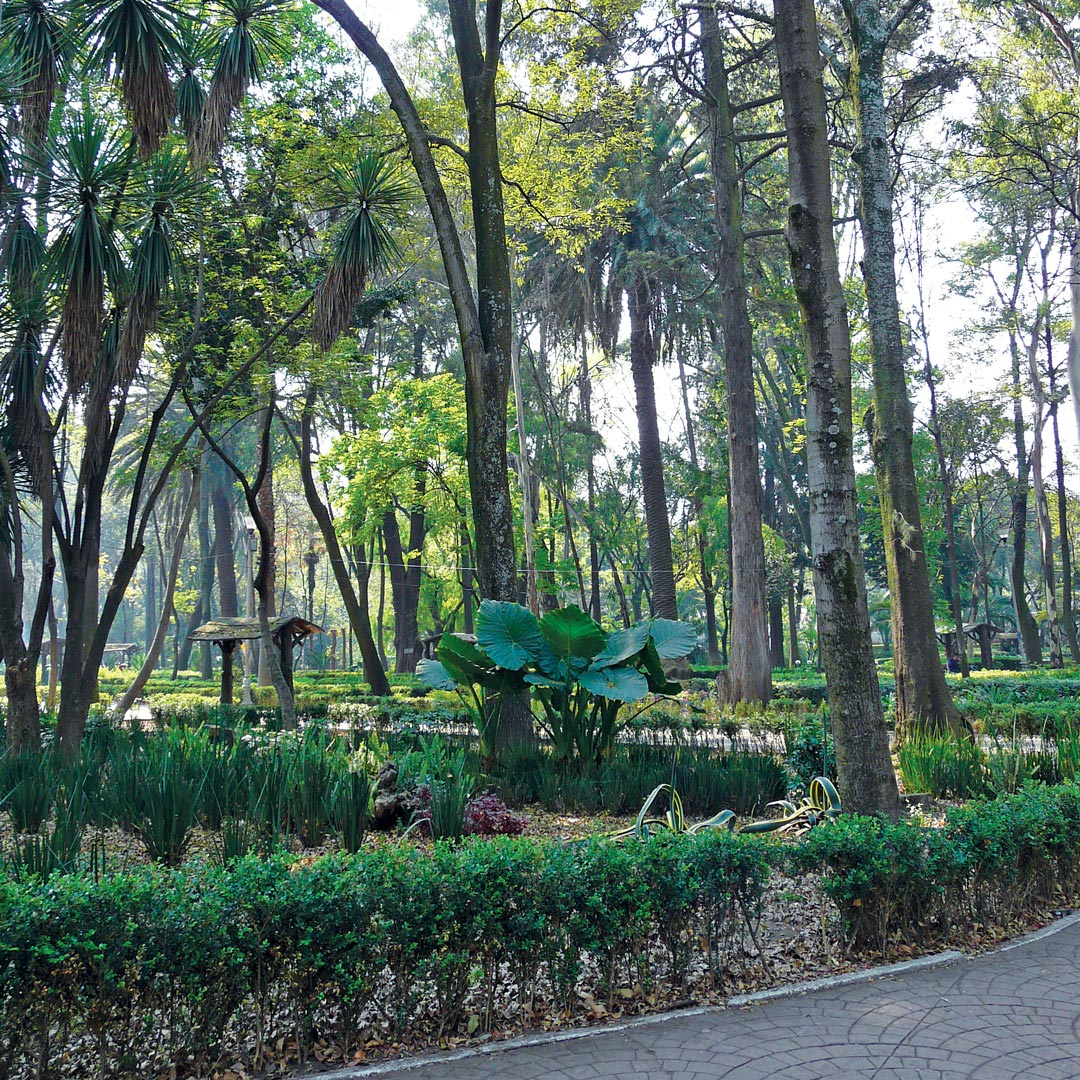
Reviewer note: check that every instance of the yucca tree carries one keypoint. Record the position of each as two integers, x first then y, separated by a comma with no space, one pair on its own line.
93,165
137,42
39,46
373,198
88,252
244,43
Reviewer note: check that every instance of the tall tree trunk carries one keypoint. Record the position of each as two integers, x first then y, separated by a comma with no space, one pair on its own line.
1042,510
357,606
482,305
952,563
922,695
204,578
179,537
468,585
794,601
224,549
708,586
405,577
269,512
585,390
654,495
1025,621
749,676
1068,618
866,779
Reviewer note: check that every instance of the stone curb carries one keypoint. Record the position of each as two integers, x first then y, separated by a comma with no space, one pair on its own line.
547,1038
884,971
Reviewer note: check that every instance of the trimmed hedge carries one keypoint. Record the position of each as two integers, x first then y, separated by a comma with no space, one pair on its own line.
159,970
179,968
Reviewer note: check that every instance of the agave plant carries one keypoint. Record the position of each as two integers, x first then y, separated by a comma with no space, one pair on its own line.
821,805
581,675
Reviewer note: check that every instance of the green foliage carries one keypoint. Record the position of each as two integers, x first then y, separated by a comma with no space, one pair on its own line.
407,936
580,675
26,788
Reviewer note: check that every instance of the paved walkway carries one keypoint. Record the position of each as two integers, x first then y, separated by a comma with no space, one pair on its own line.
1007,1015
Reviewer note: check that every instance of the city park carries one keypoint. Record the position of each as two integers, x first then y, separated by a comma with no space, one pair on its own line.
528,526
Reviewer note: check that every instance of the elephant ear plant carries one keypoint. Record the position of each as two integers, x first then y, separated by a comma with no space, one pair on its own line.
581,675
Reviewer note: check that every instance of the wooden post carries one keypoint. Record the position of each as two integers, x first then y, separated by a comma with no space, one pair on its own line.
227,648
285,644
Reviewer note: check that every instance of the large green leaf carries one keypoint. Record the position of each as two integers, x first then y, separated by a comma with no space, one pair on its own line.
570,632
672,639
615,683
623,644
463,661
508,633
657,678
433,674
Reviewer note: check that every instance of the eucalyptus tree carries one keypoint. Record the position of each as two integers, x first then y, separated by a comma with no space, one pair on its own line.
922,696
864,767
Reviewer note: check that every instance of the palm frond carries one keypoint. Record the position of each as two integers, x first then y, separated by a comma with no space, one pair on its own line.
22,253
376,198
171,191
137,42
247,42
40,47
92,166
18,378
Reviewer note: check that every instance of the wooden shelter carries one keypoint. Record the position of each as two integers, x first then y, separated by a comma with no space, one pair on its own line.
286,633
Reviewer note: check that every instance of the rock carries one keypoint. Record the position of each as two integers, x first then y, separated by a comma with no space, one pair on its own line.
390,805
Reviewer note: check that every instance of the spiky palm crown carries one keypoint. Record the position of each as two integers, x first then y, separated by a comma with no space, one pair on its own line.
374,198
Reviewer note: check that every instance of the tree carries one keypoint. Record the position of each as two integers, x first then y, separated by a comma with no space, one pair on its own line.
484,318
864,768
922,696
748,671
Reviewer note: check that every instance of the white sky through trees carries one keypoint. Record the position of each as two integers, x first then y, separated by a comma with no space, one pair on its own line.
949,225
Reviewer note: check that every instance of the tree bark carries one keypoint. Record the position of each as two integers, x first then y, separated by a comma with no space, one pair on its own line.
1042,510
484,317
866,779
224,548
749,671
952,563
179,537
405,577
357,606
654,494
922,695
1068,618
708,586
1025,621
269,513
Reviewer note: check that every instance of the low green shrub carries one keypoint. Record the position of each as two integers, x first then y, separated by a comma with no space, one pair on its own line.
323,949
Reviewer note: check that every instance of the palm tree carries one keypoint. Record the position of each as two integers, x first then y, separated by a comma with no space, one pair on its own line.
661,190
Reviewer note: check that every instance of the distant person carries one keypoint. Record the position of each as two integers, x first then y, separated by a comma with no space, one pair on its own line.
954,664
